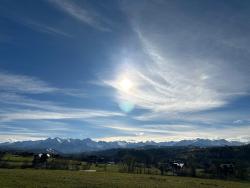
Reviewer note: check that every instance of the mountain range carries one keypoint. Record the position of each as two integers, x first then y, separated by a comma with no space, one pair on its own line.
67,146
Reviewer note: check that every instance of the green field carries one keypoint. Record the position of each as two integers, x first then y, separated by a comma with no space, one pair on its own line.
59,178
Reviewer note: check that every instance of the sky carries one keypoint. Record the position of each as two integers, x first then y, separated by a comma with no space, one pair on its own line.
112,70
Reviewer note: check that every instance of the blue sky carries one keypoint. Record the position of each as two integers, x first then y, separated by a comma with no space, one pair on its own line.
124,70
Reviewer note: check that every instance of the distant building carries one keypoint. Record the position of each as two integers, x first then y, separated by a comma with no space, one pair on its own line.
40,160
41,154
177,167
226,169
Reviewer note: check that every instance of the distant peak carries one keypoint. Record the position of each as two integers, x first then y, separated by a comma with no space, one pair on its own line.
71,145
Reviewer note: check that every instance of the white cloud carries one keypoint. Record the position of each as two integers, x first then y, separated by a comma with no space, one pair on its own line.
64,113
168,82
166,129
239,121
45,28
20,137
82,14
23,84
163,87
236,133
169,132
20,107
34,24
37,129
11,85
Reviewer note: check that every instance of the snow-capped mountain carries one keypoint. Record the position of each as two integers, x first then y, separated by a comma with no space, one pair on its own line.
61,145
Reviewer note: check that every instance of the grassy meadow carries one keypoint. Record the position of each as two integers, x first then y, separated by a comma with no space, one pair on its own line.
64,178
17,172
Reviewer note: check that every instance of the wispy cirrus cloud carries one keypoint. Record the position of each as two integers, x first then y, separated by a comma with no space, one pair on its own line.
23,84
20,107
83,14
161,133
43,28
162,84
176,78
178,73
34,24
170,72
17,93
36,130
73,113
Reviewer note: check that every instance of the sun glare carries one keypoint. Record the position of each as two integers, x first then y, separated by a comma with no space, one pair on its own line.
125,85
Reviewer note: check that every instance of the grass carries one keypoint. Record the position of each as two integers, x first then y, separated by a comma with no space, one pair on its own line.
16,158
28,178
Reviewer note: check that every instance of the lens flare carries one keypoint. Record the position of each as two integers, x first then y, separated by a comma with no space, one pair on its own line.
126,106
125,88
